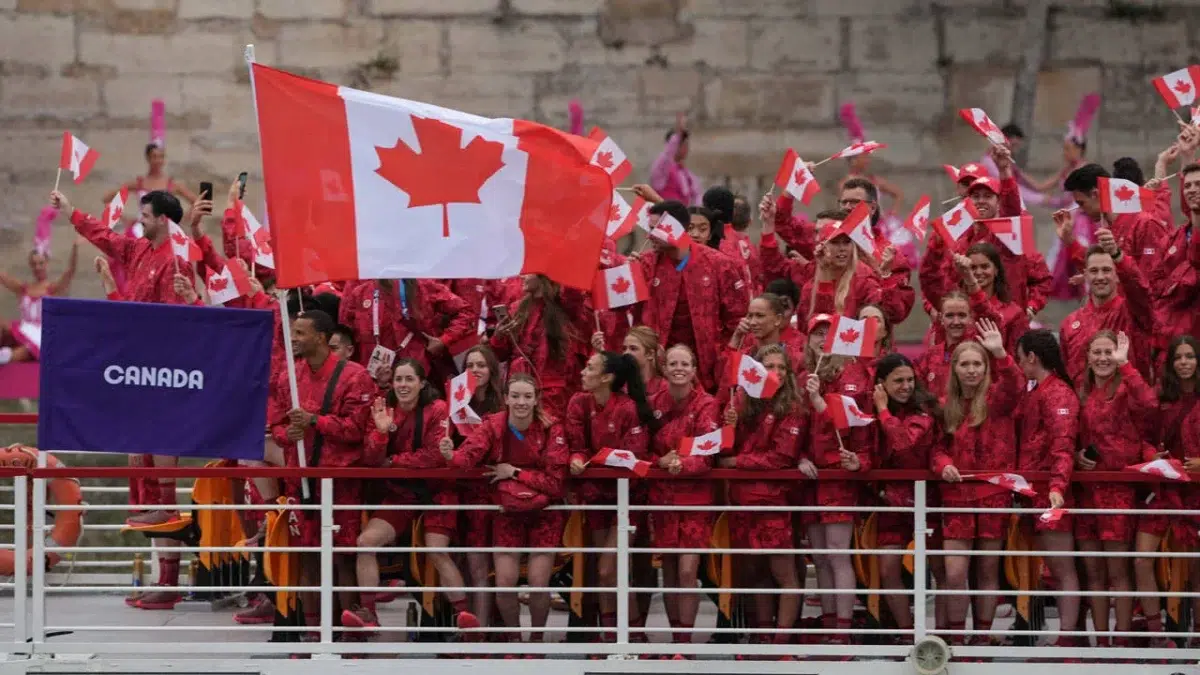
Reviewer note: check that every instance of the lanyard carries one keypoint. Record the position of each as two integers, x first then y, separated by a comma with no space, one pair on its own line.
520,436
683,263
375,315
403,298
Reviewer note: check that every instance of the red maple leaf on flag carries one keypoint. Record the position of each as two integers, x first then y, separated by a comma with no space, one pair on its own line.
614,214
620,285
462,414
801,177
1124,193
604,160
921,220
460,393
262,240
954,217
443,172
622,454
855,411
217,283
848,336
706,445
751,375
179,239
1182,87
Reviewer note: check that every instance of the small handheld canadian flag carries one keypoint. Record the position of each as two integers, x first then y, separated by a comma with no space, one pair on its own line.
1118,195
230,283
852,337
622,459
1178,88
619,286
182,245
623,217
259,236
1014,482
863,148
752,376
1167,467
1052,516
953,224
845,412
980,122
671,232
115,209
459,391
1195,116
77,157
795,179
1016,233
857,226
951,171
610,157
918,221
708,444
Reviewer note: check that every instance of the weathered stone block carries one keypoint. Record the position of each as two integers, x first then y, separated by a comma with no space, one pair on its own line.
53,97
974,39
769,100
716,43
904,46
330,45
782,9
309,10
41,40
557,7
893,98
129,97
609,95
1058,94
188,52
215,9
1129,101
668,91
492,95
417,45
526,47
1078,38
647,23
585,47
813,45
145,5
426,8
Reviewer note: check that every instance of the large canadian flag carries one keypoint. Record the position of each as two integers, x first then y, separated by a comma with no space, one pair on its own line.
1179,88
1118,195
76,157
1016,233
364,186
852,337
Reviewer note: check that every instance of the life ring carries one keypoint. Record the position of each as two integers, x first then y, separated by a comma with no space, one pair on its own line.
68,525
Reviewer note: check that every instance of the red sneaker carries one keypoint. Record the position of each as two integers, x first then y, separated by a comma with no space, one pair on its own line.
466,621
260,611
359,617
158,600
147,518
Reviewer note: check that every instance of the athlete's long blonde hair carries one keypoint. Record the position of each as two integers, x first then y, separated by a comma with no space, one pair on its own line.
954,411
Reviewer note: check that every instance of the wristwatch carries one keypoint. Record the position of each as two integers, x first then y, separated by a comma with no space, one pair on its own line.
516,472
312,420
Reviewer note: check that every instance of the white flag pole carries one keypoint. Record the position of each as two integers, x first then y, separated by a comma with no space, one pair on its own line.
281,294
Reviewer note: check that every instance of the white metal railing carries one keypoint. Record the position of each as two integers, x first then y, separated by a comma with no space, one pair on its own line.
33,595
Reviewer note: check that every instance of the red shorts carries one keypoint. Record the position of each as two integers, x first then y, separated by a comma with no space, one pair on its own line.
893,529
681,529
833,494
477,525
1166,497
772,529
348,523
1105,527
440,521
401,520
968,526
533,529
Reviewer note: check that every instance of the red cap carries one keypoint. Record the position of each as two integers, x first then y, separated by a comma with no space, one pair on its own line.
817,320
987,182
972,171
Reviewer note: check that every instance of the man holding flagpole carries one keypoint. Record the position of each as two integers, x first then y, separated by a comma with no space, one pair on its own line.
151,268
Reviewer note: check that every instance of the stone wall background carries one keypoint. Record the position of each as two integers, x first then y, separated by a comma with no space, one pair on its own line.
756,76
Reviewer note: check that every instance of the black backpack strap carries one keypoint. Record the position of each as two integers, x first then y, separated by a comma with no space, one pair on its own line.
326,406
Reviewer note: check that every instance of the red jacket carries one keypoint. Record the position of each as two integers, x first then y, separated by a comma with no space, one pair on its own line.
1012,321
531,345
796,231
738,246
1175,285
1129,310
792,340
1190,428
1028,277
591,428
767,443
239,246
694,416
1176,419
342,428
991,446
716,300
1048,427
904,441
434,311
933,368
1118,425
864,286
401,450
150,270
541,454
856,382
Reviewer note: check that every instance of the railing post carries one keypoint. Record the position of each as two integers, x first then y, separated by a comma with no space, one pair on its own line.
920,568
326,560
20,568
37,625
623,529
